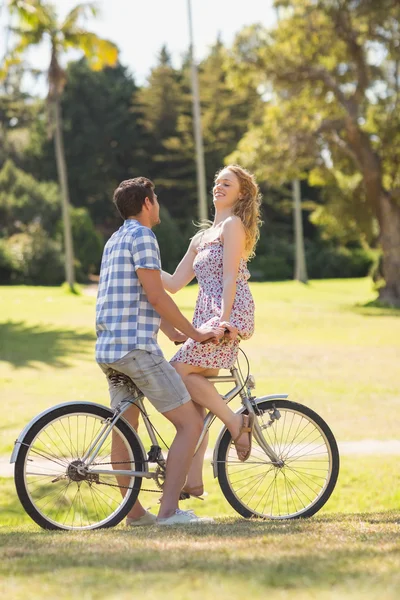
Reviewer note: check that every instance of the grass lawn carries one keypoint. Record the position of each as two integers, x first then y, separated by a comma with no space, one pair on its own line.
325,346
319,343
350,550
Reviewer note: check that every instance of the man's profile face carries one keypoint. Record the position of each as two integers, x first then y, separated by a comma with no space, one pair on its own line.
155,211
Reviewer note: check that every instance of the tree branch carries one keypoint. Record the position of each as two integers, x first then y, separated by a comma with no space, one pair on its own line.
343,27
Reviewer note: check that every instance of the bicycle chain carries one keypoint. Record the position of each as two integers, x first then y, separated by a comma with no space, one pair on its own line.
125,487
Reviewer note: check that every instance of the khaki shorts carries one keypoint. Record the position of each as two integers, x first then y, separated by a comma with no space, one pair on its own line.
153,375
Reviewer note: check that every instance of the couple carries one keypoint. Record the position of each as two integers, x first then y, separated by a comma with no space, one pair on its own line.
132,305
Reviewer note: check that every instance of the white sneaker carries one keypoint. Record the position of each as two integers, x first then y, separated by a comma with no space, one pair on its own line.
147,519
184,517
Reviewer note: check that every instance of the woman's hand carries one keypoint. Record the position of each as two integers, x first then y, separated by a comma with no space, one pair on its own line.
233,332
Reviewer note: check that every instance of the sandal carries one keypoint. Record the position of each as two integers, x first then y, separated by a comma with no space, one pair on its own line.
247,427
193,492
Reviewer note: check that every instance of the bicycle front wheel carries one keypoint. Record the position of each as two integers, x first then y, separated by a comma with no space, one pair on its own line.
302,480
52,482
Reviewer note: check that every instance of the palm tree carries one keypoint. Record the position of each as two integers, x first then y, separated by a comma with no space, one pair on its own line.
37,23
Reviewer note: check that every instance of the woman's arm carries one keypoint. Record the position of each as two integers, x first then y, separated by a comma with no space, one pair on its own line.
184,271
234,239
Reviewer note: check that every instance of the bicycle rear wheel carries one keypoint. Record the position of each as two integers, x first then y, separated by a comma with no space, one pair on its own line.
52,490
303,480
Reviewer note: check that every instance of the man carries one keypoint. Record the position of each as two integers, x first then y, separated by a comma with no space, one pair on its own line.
132,306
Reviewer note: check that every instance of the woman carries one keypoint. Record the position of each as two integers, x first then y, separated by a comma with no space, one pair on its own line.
218,256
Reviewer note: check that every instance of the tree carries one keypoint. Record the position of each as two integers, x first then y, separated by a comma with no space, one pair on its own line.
332,112
98,158
38,22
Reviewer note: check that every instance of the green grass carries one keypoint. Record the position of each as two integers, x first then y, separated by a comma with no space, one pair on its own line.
320,343
350,550
329,347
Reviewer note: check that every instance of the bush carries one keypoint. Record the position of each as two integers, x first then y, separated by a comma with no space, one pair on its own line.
328,262
88,243
23,200
8,265
172,243
275,260
36,258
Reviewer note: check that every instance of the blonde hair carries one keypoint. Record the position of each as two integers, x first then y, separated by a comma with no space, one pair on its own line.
247,208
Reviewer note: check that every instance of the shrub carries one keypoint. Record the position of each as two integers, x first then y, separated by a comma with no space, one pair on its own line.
172,243
36,258
23,200
8,264
88,243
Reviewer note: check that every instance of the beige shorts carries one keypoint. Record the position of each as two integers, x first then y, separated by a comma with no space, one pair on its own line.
153,375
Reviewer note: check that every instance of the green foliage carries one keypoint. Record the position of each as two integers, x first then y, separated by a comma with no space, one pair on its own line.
274,260
104,143
37,259
328,261
8,263
172,243
331,105
24,200
88,243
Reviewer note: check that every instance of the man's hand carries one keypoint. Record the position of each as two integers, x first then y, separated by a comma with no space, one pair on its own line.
232,331
178,337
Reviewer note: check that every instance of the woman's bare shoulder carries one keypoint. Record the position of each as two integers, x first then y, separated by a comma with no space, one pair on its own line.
233,226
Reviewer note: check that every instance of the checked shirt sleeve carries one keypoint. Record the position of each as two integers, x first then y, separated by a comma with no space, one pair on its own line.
145,250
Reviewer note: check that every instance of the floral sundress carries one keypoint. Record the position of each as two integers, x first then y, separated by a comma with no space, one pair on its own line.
208,268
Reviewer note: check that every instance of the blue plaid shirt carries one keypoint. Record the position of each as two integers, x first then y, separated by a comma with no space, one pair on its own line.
125,320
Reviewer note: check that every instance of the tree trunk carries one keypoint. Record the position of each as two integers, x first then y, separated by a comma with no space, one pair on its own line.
63,180
389,221
300,273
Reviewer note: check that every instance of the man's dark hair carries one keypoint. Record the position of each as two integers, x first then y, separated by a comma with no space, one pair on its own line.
130,195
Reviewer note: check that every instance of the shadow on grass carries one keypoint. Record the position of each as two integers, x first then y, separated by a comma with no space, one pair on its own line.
375,308
22,345
105,561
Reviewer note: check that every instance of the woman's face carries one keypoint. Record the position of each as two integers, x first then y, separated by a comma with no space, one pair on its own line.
226,189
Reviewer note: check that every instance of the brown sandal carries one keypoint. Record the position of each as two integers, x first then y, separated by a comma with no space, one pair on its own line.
193,492
247,427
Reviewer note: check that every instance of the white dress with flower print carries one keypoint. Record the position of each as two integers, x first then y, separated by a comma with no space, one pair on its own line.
208,268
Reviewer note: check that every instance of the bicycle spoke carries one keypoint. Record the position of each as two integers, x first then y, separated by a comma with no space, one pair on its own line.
291,486
55,478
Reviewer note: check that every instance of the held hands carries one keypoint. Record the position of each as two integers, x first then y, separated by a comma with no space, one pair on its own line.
231,332
210,334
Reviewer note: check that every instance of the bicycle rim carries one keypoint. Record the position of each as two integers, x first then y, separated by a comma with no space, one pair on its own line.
55,494
304,478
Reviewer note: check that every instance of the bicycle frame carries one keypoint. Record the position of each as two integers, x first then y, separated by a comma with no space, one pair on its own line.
248,403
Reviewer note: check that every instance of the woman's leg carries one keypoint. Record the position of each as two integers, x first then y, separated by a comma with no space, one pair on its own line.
194,480
203,392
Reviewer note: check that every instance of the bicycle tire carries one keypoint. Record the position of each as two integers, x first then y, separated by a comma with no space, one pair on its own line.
38,452
304,487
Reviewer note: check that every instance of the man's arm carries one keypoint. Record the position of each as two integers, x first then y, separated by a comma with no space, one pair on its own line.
168,310
171,332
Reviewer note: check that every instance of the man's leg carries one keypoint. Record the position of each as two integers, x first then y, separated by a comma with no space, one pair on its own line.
119,453
188,424
118,448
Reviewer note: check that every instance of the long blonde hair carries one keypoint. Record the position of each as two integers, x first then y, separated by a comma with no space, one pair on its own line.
247,208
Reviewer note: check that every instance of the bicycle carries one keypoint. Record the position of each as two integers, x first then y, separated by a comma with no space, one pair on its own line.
66,479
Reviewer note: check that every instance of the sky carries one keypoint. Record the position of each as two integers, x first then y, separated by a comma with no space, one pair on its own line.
141,28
